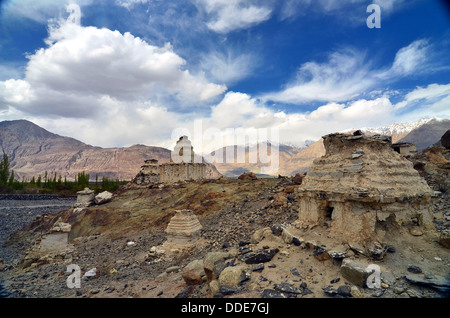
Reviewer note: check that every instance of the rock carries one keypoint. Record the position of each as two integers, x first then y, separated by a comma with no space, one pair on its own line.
376,251
321,254
226,290
444,238
258,267
248,176
214,263
90,273
298,178
439,283
296,241
414,269
263,256
103,197
232,276
260,234
295,272
287,289
354,272
280,200
161,277
194,272
172,269
271,293
415,231
344,290
330,291
355,292
277,229
214,287
445,140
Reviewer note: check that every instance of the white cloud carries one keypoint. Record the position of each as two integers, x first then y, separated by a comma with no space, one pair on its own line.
227,67
347,74
83,65
412,58
229,15
344,76
40,11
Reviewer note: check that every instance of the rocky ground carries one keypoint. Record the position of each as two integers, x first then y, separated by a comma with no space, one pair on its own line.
119,240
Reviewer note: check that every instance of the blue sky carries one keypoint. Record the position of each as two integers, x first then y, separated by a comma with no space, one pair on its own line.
121,72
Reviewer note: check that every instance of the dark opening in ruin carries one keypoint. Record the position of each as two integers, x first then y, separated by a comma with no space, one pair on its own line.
329,213
397,149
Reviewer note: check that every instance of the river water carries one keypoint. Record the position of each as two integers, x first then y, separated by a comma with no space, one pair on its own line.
16,211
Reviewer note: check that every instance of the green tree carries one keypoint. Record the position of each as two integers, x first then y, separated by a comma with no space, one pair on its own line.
4,170
11,179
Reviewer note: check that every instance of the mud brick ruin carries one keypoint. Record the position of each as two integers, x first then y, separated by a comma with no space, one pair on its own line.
184,227
361,187
183,169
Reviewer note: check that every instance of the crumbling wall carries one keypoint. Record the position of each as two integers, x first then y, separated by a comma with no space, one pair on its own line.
170,173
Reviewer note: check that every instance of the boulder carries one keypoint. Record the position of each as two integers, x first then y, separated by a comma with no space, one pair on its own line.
214,263
103,197
298,178
445,139
444,238
232,276
354,272
261,256
194,273
248,176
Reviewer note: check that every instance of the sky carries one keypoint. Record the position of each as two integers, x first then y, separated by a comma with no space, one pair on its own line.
114,73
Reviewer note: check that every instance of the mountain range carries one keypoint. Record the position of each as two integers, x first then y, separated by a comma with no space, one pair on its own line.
32,150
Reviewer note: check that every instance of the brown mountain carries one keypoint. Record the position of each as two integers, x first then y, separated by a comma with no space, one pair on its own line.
427,134
295,160
33,150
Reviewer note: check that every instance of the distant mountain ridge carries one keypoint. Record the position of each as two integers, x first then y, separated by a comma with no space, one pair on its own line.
32,150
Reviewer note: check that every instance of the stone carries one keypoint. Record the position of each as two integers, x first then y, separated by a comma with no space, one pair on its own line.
194,273
271,293
330,291
227,290
214,264
444,238
173,269
445,140
298,178
344,290
214,287
90,273
287,289
260,234
355,292
263,256
416,231
354,272
320,253
277,229
103,197
248,176
437,282
232,276
414,269
280,200
258,267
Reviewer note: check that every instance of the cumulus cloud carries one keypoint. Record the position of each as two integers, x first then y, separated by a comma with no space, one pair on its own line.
228,15
81,66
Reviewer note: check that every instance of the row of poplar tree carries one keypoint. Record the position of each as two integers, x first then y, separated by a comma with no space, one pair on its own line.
52,182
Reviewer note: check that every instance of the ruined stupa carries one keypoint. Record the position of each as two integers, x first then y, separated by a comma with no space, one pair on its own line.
184,227
182,167
361,187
